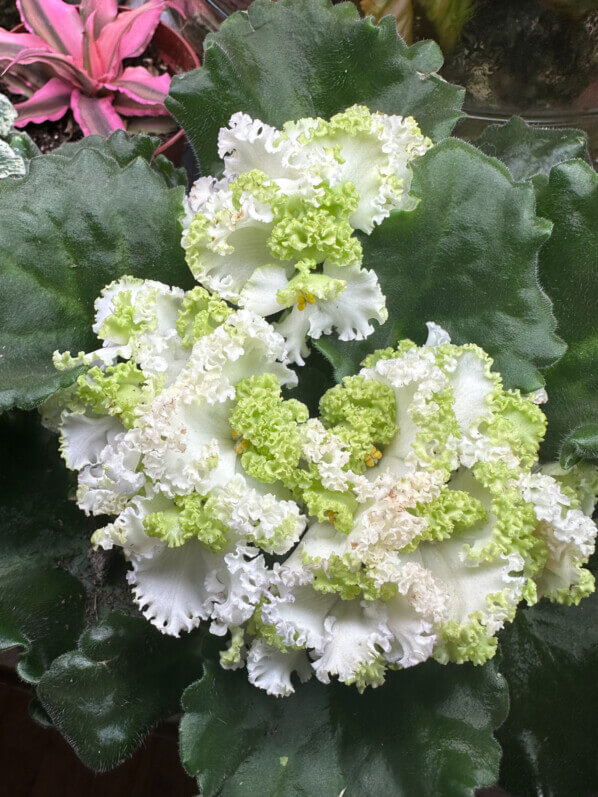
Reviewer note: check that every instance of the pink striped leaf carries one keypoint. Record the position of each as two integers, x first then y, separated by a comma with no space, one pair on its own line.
105,12
11,44
25,83
47,104
138,84
95,115
56,22
130,33
129,107
61,65
93,63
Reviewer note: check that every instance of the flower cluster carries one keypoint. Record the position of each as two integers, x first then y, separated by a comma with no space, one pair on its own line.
407,521
445,524
277,233
148,428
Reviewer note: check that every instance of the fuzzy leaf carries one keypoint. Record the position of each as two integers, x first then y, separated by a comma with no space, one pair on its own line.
569,273
297,58
549,657
529,150
68,228
124,677
427,731
466,258
41,605
124,148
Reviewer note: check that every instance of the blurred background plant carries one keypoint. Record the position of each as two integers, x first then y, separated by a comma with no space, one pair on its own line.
15,147
76,57
536,58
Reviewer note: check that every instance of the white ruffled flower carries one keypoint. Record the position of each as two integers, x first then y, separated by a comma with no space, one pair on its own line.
441,546
148,429
276,233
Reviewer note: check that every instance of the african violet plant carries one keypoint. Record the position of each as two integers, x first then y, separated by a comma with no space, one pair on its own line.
71,56
307,482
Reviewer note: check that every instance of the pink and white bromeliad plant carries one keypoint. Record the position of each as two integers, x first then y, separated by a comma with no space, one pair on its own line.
73,57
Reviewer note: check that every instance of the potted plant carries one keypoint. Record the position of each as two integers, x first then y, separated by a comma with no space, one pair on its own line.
330,424
79,58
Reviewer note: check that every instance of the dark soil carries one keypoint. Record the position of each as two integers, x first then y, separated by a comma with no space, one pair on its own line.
524,54
150,60
48,135
9,16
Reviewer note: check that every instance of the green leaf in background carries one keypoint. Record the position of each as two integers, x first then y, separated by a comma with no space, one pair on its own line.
580,444
426,731
68,228
448,17
125,676
529,150
41,605
298,58
466,258
549,657
314,379
569,273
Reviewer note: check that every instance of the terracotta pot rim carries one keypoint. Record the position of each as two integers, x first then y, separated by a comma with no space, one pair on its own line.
188,50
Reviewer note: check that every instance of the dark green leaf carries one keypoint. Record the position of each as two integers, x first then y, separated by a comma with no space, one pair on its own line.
466,258
297,58
42,610
569,273
124,677
124,148
39,714
314,379
579,445
41,605
427,731
549,657
68,228
529,150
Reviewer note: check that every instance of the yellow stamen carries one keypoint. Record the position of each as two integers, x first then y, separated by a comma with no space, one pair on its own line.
241,446
331,515
301,302
310,298
373,457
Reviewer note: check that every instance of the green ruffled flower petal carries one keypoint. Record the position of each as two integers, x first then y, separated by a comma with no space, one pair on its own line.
316,228
201,312
266,426
362,413
192,517
451,512
119,390
121,324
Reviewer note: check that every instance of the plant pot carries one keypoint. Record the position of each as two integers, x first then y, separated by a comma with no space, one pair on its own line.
178,56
